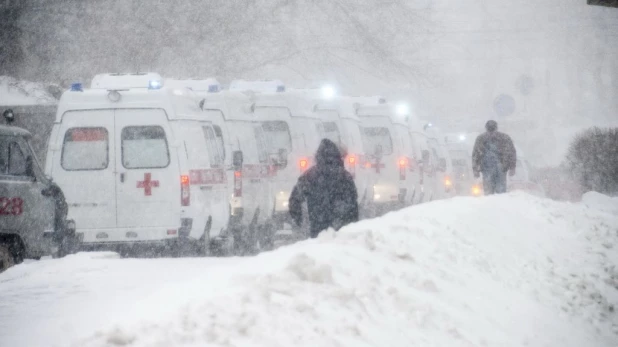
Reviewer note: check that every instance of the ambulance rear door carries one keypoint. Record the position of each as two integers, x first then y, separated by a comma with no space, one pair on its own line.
83,166
148,181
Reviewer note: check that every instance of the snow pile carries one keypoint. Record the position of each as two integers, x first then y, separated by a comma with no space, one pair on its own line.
14,92
511,270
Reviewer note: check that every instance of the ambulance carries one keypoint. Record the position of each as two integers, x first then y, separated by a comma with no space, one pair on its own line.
292,136
460,152
240,131
139,164
442,167
388,155
32,208
425,164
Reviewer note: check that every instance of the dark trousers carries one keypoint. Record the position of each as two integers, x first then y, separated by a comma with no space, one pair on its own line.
494,181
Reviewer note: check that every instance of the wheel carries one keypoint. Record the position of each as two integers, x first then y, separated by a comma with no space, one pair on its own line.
7,259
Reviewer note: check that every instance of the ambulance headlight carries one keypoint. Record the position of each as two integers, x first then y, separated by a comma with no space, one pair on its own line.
328,92
154,84
114,96
403,110
462,137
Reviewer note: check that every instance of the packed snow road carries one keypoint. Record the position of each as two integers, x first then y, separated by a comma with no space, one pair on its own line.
512,270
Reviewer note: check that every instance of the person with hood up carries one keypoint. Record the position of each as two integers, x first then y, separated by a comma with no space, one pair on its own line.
329,191
494,155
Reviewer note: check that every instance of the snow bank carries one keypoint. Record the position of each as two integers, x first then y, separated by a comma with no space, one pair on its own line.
14,92
511,270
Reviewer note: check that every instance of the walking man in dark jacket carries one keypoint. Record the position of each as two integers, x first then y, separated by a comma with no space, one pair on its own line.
494,155
329,191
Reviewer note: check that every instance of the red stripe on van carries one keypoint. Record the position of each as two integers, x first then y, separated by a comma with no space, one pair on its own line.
84,135
258,171
207,176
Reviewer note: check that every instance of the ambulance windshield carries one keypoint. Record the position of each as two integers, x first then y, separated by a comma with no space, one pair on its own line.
377,140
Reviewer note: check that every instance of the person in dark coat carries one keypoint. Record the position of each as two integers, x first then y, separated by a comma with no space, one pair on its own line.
329,191
493,155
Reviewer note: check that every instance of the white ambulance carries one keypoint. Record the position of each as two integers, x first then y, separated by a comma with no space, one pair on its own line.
386,155
138,164
418,138
250,193
460,152
440,171
292,134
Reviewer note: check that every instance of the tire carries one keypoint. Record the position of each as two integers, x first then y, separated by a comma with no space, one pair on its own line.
7,259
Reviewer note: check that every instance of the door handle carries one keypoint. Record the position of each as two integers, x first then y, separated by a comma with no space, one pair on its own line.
122,177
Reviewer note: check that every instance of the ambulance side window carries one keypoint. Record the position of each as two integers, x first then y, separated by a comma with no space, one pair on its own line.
220,142
144,147
17,160
12,158
262,148
214,154
85,149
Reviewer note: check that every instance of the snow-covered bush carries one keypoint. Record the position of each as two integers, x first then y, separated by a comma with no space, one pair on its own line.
593,160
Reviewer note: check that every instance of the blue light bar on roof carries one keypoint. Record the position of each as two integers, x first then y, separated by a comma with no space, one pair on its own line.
213,88
77,87
280,88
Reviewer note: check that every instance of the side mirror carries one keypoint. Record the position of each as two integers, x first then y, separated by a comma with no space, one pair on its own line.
237,160
282,160
442,165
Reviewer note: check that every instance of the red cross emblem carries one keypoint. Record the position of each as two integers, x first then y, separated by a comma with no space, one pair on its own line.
147,184
377,166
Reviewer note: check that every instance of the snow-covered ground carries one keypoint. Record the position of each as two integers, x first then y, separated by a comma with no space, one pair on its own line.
15,92
512,270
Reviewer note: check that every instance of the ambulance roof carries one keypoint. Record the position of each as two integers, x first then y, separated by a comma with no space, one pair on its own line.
260,86
7,130
116,81
209,85
233,105
178,104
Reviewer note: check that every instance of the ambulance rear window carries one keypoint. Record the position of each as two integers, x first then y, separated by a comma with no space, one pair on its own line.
331,132
85,149
377,139
144,147
277,135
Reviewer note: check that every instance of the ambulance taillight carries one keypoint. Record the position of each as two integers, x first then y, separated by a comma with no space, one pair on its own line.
352,165
303,164
185,191
237,184
403,163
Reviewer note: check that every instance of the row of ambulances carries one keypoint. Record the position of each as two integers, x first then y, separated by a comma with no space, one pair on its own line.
187,165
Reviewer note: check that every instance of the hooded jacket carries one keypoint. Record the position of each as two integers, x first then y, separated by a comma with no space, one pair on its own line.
329,191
